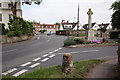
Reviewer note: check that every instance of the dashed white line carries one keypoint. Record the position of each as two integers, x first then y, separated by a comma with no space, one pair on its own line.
59,48
20,72
34,65
26,64
36,59
56,50
51,52
51,56
44,60
38,38
9,51
9,71
45,55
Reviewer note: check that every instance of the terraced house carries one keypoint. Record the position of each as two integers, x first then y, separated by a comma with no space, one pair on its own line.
6,13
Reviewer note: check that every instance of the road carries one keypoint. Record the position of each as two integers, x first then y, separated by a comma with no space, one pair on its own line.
45,52
18,53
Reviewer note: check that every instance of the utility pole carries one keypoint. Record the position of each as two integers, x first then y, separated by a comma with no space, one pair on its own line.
78,20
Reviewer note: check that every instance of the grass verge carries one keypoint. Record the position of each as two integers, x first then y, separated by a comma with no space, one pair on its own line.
80,70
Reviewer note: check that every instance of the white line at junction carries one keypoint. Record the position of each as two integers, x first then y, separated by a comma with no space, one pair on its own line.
9,71
34,65
20,72
37,59
44,60
26,64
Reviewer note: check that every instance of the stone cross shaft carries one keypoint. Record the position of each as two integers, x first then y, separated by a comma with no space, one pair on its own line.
89,19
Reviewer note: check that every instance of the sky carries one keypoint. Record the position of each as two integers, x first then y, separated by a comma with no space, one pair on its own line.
52,11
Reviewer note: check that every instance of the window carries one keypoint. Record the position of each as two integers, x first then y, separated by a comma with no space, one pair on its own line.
9,5
0,17
0,5
10,16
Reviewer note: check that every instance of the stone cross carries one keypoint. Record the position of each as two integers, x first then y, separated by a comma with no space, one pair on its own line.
89,19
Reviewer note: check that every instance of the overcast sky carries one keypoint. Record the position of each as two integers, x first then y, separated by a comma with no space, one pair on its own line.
52,11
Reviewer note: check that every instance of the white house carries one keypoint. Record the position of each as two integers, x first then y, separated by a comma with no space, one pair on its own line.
6,13
68,25
95,26
108,26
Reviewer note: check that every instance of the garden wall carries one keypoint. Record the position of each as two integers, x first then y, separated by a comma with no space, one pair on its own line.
6,39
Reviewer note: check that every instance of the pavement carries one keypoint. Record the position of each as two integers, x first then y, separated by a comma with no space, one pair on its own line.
107,69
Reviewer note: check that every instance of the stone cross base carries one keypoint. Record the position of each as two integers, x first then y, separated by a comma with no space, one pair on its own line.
91,35
67,63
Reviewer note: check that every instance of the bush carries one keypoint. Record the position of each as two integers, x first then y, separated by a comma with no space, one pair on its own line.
69,42
114,34
88,42
79,41
11,34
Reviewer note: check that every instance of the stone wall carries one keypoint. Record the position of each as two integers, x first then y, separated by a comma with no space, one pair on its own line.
6,39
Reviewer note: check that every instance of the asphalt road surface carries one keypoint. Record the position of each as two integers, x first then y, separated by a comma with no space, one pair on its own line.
18,53
47,51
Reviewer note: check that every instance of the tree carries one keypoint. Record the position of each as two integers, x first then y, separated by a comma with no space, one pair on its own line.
14,4
116,15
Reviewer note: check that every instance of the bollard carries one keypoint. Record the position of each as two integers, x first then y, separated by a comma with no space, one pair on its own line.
67,63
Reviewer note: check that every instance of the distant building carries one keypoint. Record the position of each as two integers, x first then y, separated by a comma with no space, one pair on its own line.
95,26
68,25
108,26
6,13
48,27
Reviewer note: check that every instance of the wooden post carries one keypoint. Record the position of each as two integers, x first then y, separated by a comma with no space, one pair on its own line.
67,63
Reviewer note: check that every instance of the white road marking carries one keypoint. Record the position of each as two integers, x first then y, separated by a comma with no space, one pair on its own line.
45,55
9,51
9,71
51,52
51,56
25,64
20,72
44,60
59,48
56,50
34,65
37,59
80,51
38,38
48,40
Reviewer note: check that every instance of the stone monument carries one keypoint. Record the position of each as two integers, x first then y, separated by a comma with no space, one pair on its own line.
90,33
67,63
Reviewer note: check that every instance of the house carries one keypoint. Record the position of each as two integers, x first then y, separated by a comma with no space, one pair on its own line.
48,27
68,25
108,26
6,13
95,26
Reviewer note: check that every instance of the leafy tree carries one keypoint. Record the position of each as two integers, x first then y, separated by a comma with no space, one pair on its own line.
14,4
19,27
116,15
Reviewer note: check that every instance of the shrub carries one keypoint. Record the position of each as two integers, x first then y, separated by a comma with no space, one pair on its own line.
114,34
69,42
11,34
88,42
79,41
118,41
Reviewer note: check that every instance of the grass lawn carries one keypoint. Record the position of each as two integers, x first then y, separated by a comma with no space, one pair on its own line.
80,70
